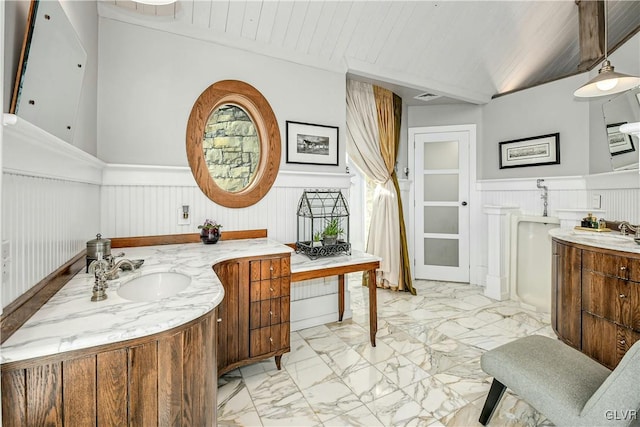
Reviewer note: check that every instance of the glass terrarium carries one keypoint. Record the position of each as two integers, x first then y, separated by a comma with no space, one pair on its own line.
323,224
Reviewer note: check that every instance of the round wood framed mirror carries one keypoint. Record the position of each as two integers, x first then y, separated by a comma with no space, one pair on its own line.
233,144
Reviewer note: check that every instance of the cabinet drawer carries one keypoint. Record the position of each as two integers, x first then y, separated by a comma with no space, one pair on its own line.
269,339
598,339
267,289
614,299
605,341
269,312
612,265
269,268
628,297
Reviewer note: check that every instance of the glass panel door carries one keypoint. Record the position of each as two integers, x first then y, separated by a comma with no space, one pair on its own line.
442,216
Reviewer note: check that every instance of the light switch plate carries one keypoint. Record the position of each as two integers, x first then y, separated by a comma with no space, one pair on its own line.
181,219
596,201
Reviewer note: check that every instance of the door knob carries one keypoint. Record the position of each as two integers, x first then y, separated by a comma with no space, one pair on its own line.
464,203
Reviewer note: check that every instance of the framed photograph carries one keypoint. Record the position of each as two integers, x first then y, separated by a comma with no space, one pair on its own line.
619,142
312,144
534,151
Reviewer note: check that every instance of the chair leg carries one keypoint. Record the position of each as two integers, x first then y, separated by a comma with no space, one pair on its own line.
493,398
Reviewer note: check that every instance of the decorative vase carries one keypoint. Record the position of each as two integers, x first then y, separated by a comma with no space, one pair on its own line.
329,240
210,236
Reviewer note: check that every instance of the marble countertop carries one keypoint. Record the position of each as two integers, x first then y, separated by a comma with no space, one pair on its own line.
301,263
611,240
70,321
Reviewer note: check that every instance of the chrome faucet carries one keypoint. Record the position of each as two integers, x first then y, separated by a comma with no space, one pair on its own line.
104,270
99,269
624,226
544,195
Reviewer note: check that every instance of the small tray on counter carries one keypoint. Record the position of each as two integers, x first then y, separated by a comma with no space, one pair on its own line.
596,230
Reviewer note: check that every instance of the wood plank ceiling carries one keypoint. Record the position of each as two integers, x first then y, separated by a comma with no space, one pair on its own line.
464,50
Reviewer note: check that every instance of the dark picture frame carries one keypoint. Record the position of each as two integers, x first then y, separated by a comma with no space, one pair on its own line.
312,144
618,142
533,151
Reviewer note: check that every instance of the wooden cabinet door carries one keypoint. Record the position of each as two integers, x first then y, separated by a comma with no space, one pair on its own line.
567,298
233,314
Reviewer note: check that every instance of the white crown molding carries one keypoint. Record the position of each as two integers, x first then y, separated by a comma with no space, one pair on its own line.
147,175
29,150
613,180
524,184
180,176
313,180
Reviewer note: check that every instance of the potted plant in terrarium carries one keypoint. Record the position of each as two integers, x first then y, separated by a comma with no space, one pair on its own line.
331,232
317,239
209,231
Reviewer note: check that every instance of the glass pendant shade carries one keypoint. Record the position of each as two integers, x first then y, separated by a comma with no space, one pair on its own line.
607,82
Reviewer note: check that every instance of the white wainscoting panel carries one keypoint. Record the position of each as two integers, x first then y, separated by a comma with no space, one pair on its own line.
620,198
146,200
46,222
131,206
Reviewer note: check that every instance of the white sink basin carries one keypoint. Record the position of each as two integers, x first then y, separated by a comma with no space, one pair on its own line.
154,286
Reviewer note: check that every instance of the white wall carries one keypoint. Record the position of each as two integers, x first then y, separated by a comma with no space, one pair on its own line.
541,110
150,79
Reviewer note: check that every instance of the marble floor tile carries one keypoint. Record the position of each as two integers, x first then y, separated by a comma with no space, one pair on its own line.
235,407
443,355
344,361
398,409
424,371
358,417
401,371
377,354
402,342
369,384
309,372
437,398
331,398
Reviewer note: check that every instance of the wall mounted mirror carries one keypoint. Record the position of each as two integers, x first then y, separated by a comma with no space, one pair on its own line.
50,71
621,109
233,144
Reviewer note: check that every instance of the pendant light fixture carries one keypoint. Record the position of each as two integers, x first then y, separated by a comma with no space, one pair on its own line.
607,81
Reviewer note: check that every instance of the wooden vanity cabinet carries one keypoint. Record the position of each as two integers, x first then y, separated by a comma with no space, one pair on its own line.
160,380
609,316
254,316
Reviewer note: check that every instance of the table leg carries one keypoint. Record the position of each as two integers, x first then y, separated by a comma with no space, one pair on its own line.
373,307
340,297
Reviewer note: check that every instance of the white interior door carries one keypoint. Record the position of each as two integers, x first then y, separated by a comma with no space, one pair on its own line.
441,206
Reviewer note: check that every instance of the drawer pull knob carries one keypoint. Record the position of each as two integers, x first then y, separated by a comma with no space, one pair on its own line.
271,268
219,320
623,342
623,268
623,296
271,289
270,339
270,313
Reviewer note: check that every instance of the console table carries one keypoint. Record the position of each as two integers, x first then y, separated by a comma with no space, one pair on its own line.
303,268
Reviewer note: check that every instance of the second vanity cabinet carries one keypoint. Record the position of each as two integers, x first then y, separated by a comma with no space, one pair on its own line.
596,307
253,318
